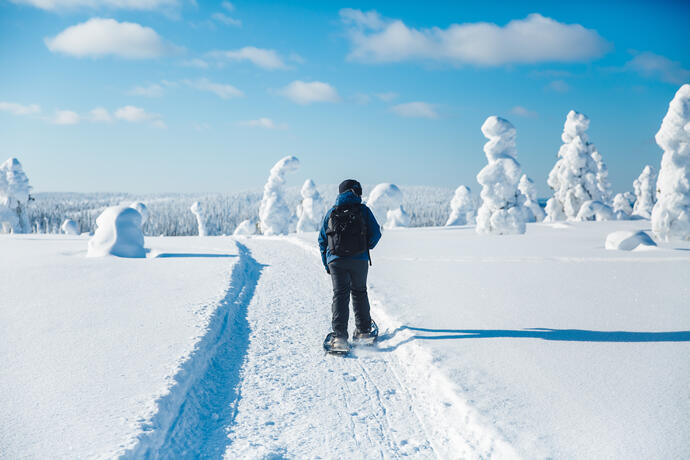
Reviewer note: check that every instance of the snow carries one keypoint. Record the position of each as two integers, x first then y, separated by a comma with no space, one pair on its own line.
385,201
529,192
69,227
501,211
645,192
142,209
627,240
579,175
118,233
671,213
274,213
462,207
542,345
14,198
622,207
310,210
246,227
595,210
198,210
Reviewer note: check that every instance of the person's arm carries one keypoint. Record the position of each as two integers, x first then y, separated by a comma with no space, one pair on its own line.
323,240
373,229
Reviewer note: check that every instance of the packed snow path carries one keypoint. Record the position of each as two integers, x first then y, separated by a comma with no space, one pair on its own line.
290,399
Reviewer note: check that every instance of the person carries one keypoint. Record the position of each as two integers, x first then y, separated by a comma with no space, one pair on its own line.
348,266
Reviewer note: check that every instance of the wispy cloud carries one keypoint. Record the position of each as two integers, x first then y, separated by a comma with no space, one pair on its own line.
308,92
65,117
135,114
20,109
534,39
227,20
196,62
228,6
415,110
523,112
266,123
264,58
153,90
221,90
387,97
99,37
558,86
141,5
658,67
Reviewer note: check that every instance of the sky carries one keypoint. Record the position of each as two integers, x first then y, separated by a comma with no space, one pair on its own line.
197,96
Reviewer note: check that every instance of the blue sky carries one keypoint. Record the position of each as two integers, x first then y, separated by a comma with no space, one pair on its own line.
174,95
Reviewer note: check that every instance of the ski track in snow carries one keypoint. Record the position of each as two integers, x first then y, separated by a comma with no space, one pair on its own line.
260,386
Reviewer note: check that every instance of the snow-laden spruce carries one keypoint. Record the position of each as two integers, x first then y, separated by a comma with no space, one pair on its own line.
579,175
69,227
463,210
310,210
118,233
274,213
501,211
645,192
622,208
143,210
671,213
385,201
529,193
246,227
198,210
14,198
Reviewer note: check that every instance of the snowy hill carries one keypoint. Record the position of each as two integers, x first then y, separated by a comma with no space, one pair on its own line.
537,345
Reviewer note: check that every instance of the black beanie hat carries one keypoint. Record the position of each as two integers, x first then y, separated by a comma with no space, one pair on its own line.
350,184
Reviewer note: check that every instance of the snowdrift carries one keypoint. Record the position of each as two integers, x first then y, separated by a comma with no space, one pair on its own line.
118,233
628,241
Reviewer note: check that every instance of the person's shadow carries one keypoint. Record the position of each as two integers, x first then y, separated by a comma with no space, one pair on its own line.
568,335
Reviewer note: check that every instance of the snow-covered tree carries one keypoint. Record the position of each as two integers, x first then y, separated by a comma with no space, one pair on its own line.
274,213
603,184
579,175
310,210
143,210
463,210
622,207
14,197
198,210
594,210
118,232
645,192
246,227
501,211
671,213
529,193
385,201
69,227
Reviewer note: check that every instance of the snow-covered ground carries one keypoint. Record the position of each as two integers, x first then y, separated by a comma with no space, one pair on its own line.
537,345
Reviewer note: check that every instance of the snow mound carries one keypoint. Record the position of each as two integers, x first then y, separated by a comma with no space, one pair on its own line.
385,201
628,241
198,210
671,213
462,207
246,227
501,211
595,210
143,210
274,214
118,233
310,210
69,227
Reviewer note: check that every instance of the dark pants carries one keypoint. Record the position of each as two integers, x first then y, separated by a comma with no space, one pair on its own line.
349,275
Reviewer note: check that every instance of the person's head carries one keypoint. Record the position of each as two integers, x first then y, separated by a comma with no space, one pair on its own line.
350,184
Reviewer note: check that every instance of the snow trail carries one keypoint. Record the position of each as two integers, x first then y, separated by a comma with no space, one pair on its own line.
192,417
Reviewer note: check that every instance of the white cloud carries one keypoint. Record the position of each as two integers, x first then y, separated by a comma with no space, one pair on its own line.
652,65
361,98
134,114
196,62
523,112
415,110
65,117
305,93
54,5
558,86
99,114
387,97
221,90
228,6
153,90
264,58
533,39
19,109
266,123
227,20
100,37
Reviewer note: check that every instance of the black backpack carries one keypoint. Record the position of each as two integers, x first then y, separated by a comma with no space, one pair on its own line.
347,231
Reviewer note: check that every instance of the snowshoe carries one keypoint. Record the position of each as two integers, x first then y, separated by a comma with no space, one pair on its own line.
336,345
367,337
